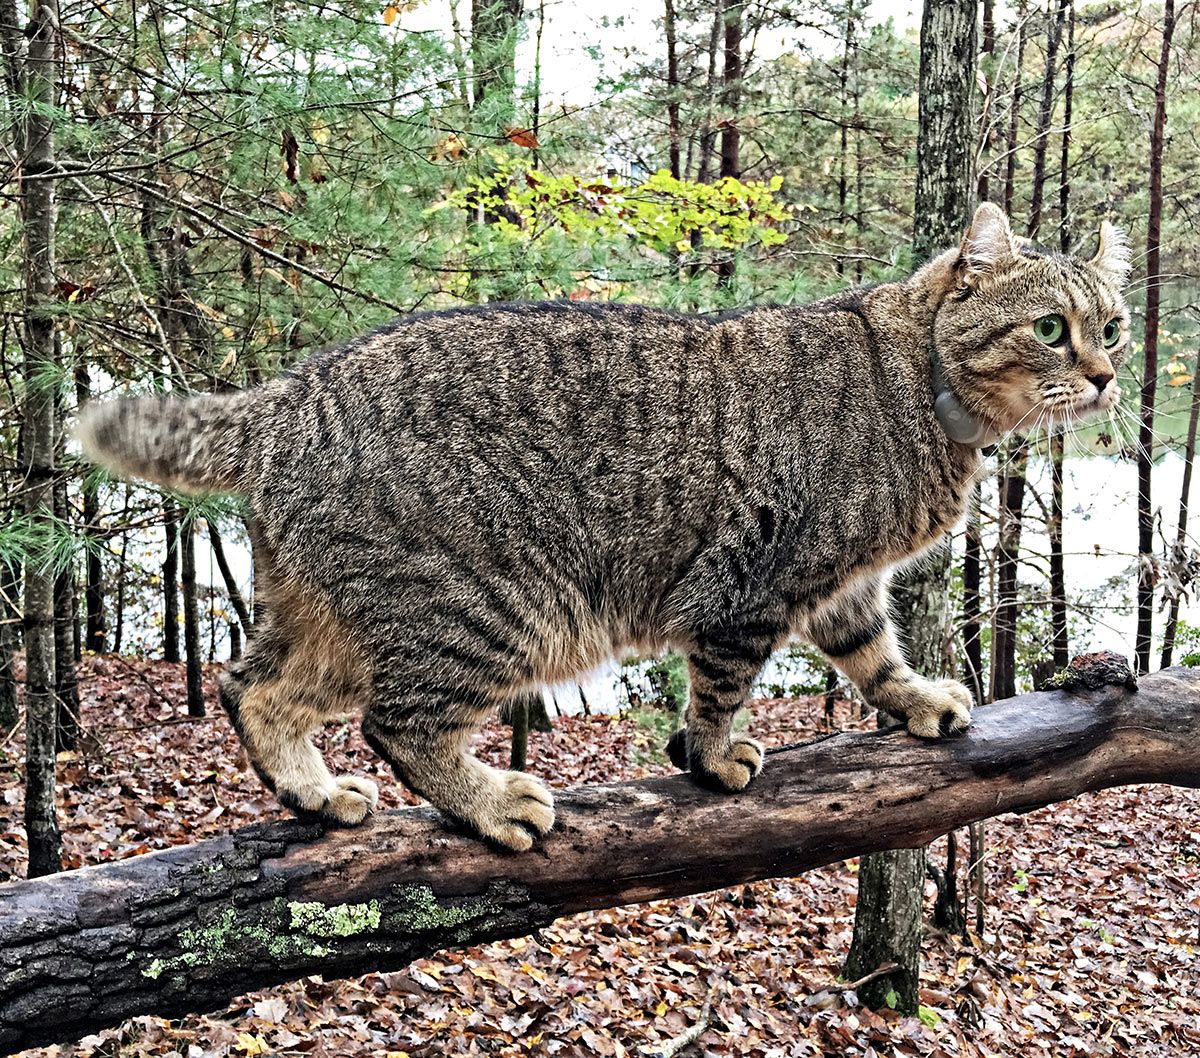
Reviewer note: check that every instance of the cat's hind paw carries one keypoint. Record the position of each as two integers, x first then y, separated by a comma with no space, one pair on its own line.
345,802
354,799
516,809
727,768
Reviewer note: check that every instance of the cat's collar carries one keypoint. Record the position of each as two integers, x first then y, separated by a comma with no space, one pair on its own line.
958,421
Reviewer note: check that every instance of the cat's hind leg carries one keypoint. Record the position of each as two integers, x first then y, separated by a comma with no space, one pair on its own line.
300,669
422,732
723,664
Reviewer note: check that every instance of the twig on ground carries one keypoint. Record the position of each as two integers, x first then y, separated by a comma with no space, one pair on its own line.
677,1043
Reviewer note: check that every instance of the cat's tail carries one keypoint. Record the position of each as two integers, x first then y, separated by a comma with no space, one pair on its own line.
196,444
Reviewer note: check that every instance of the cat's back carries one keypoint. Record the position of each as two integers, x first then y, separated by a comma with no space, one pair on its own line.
549,344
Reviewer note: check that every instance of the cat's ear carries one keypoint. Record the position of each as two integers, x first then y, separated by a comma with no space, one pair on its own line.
988,245
1114,257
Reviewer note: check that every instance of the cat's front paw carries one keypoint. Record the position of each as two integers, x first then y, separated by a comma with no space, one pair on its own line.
937,709
727,767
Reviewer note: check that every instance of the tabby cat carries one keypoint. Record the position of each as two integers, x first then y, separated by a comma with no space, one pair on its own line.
465,505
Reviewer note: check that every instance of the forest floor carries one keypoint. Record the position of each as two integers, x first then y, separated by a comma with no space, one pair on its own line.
1091,946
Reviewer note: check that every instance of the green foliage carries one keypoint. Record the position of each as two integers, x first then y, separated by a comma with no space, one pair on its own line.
796,671
668,677
1187,642
657,725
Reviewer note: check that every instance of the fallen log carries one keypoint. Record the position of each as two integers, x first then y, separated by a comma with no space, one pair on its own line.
188,928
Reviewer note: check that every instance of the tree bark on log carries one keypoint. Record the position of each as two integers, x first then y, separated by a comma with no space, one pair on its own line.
187,928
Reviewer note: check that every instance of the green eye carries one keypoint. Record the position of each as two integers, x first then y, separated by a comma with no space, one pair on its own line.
1112,333
1050,330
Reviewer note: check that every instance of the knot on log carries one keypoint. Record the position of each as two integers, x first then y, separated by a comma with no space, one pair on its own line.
1090,672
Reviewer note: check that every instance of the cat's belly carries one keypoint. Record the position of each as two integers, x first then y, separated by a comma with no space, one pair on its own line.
565,654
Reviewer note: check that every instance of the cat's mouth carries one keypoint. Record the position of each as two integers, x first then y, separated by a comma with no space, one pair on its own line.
1085,406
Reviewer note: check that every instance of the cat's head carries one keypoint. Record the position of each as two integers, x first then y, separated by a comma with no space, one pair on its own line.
1027,336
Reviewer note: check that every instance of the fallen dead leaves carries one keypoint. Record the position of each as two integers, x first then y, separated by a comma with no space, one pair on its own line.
1092,941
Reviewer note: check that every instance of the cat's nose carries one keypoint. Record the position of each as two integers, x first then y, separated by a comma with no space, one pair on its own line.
1100,380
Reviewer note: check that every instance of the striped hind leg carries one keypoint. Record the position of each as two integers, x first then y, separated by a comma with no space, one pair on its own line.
422,732
294,677
723,664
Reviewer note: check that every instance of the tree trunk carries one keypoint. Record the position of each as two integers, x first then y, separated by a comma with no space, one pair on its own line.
707,131
1058,577
831,686
972,643
843,161
1045,112
976,878
9,621
231,585
191,621
66,686
119,621
731,95
537,83
96,639
887,929
944,125
1012,502
887,917
1147,573
494,26
674,130
185,929
1064,163
859,175
38,216
947,909
518,715
1014,114
1179,556
170,572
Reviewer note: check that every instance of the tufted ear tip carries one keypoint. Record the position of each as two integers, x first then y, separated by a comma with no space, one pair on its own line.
987,244
1114,255
989,213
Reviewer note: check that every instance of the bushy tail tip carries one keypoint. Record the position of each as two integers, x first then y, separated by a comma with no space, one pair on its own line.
194,445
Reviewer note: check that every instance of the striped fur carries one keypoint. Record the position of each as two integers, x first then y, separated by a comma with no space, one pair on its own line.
467,504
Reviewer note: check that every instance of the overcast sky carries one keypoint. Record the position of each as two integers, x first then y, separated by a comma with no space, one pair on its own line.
570,73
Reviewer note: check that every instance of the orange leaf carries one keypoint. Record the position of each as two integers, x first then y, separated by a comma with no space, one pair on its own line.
390,14
1180,380
522,137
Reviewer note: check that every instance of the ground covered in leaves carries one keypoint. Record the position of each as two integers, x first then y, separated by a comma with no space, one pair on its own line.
1092,943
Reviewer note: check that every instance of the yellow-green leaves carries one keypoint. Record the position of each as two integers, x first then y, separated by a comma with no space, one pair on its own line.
662,213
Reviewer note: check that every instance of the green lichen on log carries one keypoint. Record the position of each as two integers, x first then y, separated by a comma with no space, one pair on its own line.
419,911
341,920
234,938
